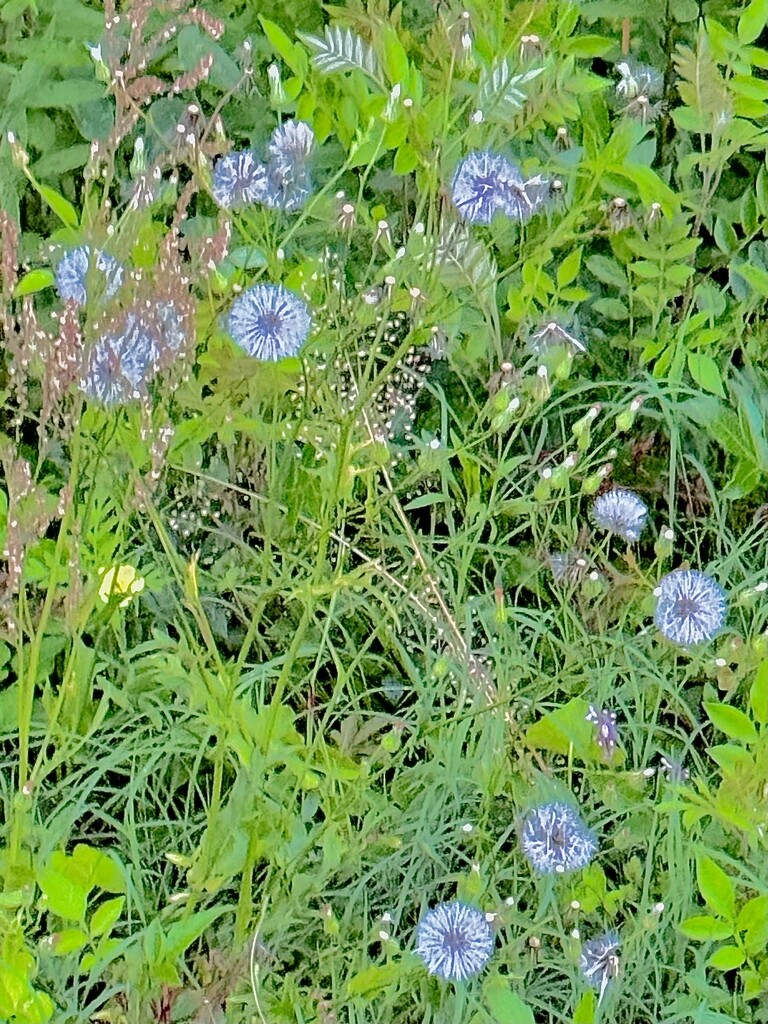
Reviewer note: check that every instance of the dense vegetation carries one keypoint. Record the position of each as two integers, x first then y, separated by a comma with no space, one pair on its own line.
384,435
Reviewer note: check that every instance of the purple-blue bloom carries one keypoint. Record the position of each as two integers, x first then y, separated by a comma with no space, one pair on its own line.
72,273
599,962
691,607
238,180
556,840
269,322
289,182
622,512
119,366
454,940
486,183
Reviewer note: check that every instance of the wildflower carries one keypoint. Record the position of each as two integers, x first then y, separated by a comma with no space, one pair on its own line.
454,940
606,733
568,567
289,181
72,273
118,581
619,215
638,80
119,366
599,962
486,183
556,840
621,511
269,322
691,607
674,770
238,180
551,335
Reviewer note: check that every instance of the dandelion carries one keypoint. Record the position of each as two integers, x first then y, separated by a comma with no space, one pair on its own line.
622,512
72,273
120,581
552,335
691,607
606,733
486,183
239,180
269,322
454,940
638,80
556,840
599,963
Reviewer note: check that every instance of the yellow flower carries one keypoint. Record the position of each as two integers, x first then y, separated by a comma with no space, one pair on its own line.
119,580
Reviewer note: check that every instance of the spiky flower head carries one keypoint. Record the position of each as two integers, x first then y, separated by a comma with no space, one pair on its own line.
486,183
691,607
289,183
73,268
555,839
606,731
622,512
454,940
119,367
239,180
598,962
269,322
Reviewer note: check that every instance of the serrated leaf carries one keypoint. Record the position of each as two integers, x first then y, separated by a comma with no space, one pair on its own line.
498,91
716,887
607,271
732,722
704,928
569,269
728,958
753,21
341,49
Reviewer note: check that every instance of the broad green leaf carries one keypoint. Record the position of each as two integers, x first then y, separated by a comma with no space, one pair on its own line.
727,958
395,57
607,271
753,21
182,934
34,281
563,728
373,979
569,268
292,54
732,722
706,373
62,207
732,757
585,1008
758,694
716,887
504,1004
68,941
704,928
99,868
62,896
106,915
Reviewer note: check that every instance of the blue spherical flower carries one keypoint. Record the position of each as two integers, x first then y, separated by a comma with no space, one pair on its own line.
556,840
621,511
691,607
606,732
238,180
486,183
289,183
119,366
72,273
599,962
454,940
292,143
269,322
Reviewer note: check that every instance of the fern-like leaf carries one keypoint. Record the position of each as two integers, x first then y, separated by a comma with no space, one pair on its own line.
341,49
702,87
499,94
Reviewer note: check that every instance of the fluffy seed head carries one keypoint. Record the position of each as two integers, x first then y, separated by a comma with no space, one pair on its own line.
621,511
269,322
454,940
691,607
556,840
72,273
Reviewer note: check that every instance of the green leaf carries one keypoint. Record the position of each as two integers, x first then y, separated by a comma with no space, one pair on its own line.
706,373
585,1008
732,722
607,271
100,869
569,268
727,959
704,928
716,887
373,980
182,934
758,695
504,1004
753,21
62,207
395,57
62,896
34,281
68,941
292,54
106,916
563,728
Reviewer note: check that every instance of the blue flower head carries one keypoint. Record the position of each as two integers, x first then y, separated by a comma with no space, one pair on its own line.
622,512
119,367
556,840
454,940
269,322
606,730
486,183
238,180
598,961
289,180
691,607
72,273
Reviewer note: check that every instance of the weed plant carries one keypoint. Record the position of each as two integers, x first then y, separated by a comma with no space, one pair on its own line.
383,428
